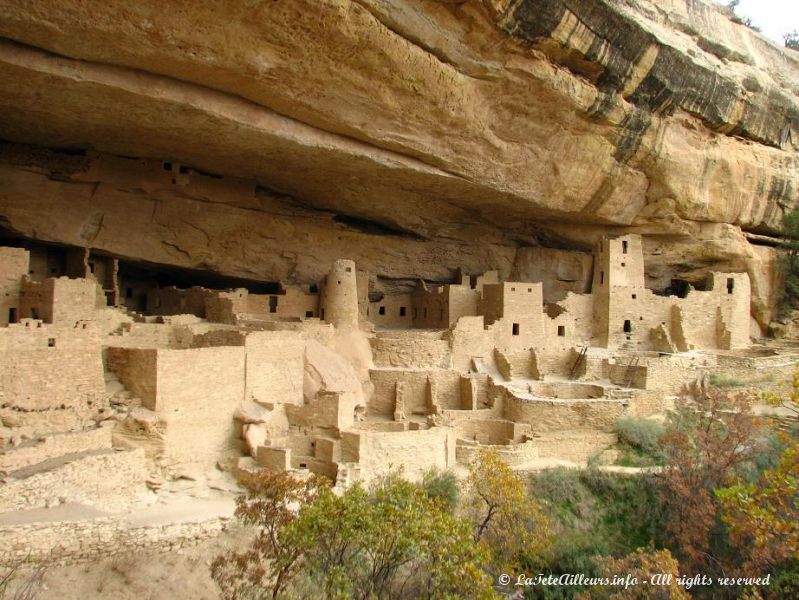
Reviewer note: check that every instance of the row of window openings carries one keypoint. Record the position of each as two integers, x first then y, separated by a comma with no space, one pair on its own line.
516,330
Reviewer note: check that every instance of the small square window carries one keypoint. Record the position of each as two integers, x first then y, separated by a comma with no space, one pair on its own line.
561,331
515,329
308,314
402,311
624,247
513,289
382,310
529,289
635,296
51,342
348,269
623,264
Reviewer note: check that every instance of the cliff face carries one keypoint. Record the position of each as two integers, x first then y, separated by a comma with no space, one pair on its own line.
413,136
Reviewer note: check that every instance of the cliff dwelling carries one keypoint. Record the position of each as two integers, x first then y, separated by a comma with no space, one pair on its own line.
352,238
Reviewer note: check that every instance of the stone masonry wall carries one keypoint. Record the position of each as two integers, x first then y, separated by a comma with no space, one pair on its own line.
108,479
198,392
69,542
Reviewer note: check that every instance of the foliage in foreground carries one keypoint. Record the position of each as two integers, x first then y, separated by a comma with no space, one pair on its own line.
512,524
395,541
639,565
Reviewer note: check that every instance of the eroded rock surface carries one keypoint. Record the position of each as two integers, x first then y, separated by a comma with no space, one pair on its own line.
415,137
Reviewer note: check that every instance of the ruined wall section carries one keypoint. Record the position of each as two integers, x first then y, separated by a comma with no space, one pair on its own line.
198,392
14,266
50,368
413,451
275,366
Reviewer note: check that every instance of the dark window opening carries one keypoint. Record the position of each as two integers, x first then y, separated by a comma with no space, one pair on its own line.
128,292
91,267
339,283
425,313
303,465
624,247
382,310
601,277
529,289
623,264
51,342
322,314
628,326
348,269
174,181
513,289
402,311
167,166
183,169
272,304
515,329
314,289
561,331
441,314
12,315
308,314
634,296
53,271
730,285
34,313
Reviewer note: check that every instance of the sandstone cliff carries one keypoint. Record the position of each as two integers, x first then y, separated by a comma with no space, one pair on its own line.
261,139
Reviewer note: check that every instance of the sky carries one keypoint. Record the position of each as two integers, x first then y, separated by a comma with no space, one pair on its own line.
773,17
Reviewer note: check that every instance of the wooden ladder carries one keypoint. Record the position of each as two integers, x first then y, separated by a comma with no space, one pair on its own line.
580,359
630,373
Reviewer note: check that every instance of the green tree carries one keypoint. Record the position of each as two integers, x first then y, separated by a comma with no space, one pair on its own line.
511,524
791,40
764,516
393,541
790,260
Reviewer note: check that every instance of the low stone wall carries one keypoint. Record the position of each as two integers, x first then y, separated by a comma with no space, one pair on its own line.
53,446
109,480
576,447
69,542
419,353
514,455
555,415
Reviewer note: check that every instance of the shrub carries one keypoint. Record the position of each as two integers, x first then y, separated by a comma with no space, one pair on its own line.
723,381
442,486
641,436
392,541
